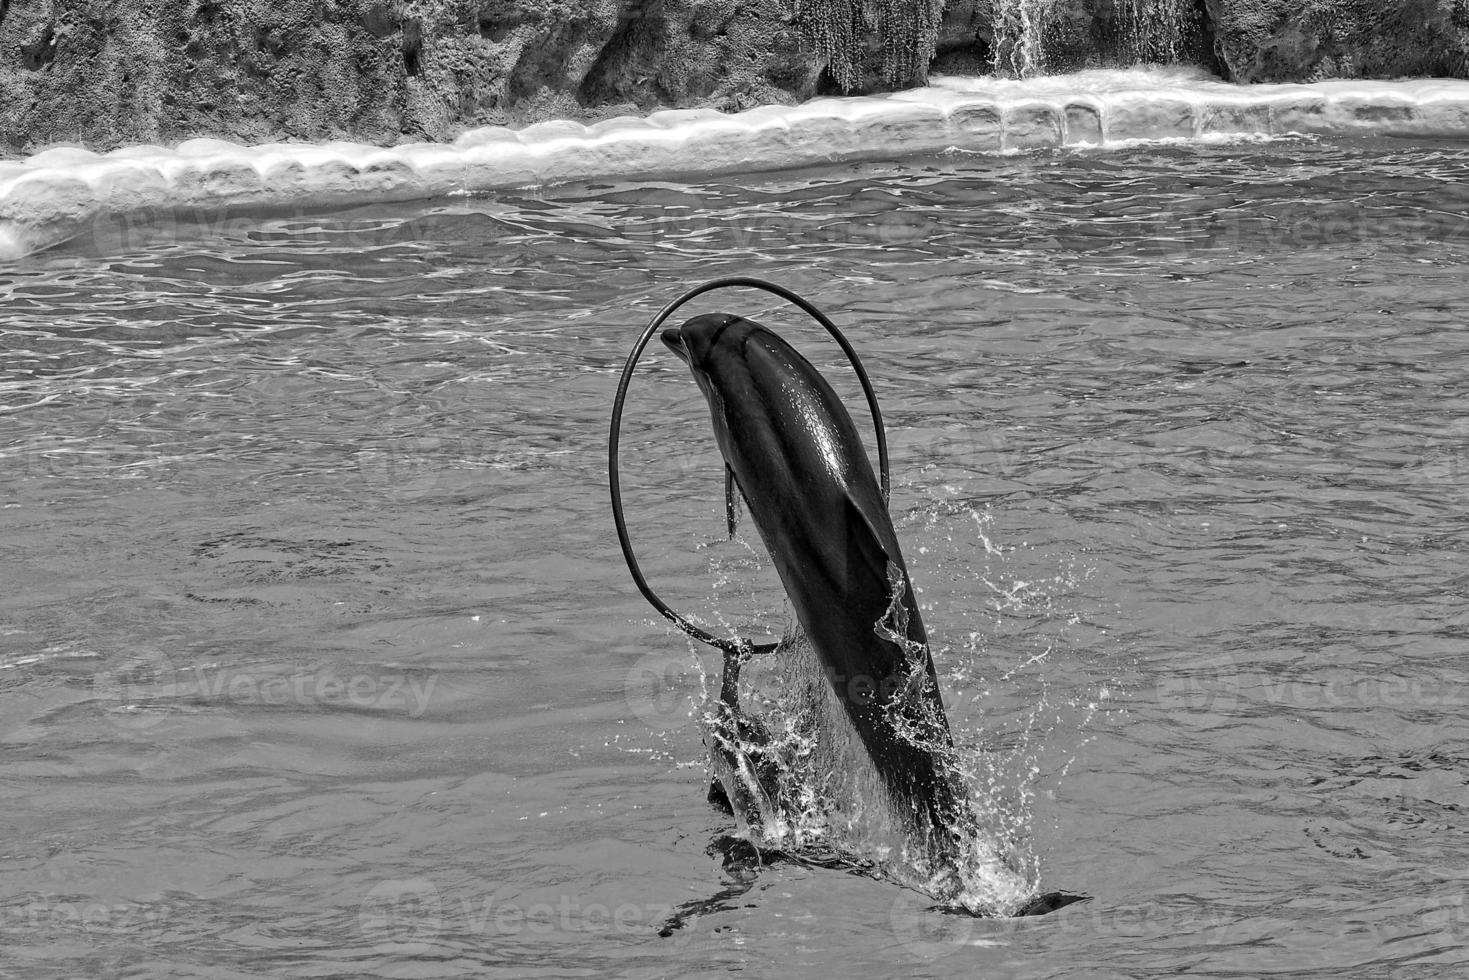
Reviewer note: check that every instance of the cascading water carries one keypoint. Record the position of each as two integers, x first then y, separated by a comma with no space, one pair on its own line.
1028,34
1155,30
1019,36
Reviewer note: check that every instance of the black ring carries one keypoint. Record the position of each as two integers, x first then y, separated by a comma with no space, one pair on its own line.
737,645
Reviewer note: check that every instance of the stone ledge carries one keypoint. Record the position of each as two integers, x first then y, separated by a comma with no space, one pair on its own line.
53,195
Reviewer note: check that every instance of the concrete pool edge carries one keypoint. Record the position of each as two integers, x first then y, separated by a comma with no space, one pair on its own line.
56,194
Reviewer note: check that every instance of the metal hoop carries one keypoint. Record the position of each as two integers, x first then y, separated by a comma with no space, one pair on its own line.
738,645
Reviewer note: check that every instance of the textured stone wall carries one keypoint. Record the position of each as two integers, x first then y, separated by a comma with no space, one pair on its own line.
111,72
1309,40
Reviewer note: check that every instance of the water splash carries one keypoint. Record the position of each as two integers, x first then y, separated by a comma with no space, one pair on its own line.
804,782
800,781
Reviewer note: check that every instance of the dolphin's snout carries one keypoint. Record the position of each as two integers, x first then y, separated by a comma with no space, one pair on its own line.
673,340
701,336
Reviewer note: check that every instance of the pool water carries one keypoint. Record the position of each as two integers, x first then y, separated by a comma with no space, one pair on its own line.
318,656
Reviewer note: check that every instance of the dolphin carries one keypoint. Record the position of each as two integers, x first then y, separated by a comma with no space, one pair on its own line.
796,456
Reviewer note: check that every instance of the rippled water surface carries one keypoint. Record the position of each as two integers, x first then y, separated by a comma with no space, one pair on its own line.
318,656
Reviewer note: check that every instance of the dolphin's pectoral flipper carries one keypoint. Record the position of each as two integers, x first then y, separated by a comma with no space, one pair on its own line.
731,512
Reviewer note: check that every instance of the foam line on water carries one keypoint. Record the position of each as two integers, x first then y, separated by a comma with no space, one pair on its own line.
53,195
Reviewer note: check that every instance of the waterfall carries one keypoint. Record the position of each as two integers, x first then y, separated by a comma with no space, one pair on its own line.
1019,36
1029,35
1155,29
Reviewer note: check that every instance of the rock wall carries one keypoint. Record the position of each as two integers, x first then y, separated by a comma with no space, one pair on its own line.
106,73
113,72
1310,40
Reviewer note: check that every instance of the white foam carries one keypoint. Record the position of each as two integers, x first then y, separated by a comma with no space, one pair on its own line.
55,194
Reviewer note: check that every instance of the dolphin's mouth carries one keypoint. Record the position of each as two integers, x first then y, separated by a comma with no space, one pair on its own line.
673,340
